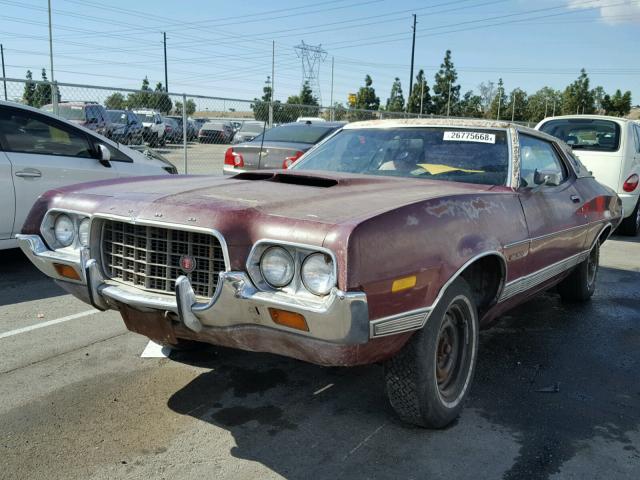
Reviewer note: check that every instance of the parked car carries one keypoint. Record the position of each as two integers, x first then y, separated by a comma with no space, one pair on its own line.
153,125
173,131
248,131
610,148
199,122
127,128
216,131
90,115
40,152
192,131
282,146
392,241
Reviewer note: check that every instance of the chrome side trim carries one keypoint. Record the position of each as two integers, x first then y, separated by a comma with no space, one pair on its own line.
416,319
527,282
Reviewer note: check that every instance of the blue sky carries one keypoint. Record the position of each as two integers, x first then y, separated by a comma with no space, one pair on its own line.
224,48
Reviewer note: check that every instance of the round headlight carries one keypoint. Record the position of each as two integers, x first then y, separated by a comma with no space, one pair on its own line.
318,274
277,267
63,230
83,232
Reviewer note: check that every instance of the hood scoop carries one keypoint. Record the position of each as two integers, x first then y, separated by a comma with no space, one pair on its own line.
291,179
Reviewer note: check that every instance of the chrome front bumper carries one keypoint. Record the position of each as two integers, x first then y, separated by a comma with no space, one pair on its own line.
340,317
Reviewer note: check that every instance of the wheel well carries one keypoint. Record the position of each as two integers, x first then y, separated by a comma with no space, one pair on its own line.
605,234
485,276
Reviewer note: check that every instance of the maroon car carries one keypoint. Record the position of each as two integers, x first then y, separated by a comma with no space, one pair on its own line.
392,241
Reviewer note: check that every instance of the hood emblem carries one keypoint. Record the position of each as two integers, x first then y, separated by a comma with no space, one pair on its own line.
187,263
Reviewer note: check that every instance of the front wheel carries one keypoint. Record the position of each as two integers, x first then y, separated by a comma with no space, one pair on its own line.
580,284
428,380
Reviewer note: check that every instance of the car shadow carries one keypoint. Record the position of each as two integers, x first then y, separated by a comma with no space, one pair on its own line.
21,281
550,377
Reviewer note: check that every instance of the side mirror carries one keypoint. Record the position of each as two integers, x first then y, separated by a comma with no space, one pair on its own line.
547,178
104,155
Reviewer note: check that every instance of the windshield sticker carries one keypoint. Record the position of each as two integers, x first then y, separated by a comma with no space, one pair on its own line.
460,136
437,169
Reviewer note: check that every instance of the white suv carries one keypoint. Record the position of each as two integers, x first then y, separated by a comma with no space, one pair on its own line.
153,130
610,148
40,152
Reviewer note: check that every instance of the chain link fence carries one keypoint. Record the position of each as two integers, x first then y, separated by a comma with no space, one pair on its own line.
191,131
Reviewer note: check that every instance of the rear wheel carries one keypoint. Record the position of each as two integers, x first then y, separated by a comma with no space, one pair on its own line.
631,225
580,285
428,380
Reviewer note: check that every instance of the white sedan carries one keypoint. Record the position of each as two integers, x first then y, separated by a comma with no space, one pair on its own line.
39,152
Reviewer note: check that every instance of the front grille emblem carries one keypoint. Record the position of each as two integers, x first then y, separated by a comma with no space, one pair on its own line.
187,263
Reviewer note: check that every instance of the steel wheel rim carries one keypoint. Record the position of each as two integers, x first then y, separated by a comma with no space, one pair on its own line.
451,353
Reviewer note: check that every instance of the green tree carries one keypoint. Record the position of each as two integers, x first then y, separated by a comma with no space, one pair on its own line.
43,92
260,106
142,98
497,109
29,94
191,107
577,97
446,93
115,101
618,105
395,102
470,105
161,99
303,105
598,97
516,108
420,97
486,92
543,103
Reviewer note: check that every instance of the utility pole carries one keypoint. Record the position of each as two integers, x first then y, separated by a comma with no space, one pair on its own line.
513,106
449,99
331,102
4,75
166,76
273,81
499,102
413,51
54,90
421,95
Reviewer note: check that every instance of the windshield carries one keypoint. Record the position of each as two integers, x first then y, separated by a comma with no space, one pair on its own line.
463,155
146,117
117,116
296,134
251,127
585,133
68,112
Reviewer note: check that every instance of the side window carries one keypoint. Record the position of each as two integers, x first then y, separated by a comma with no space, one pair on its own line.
537,155
25,132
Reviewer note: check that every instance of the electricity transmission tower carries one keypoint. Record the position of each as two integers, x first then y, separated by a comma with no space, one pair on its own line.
312,56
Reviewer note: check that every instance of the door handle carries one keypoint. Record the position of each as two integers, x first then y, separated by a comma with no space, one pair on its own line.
29,173
575,199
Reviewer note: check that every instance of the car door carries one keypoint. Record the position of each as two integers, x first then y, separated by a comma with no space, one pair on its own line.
7,198
45,153
554,213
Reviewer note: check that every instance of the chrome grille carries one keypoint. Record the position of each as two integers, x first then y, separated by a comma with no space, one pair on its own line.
148,257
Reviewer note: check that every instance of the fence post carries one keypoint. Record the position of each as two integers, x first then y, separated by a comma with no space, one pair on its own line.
54,96
184,131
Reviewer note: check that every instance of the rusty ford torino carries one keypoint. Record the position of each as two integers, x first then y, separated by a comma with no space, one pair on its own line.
390,241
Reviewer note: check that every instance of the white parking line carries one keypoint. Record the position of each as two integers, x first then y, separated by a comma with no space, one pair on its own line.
18,331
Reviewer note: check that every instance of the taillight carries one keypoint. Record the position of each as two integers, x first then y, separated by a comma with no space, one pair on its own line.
233,159
288,161
631,183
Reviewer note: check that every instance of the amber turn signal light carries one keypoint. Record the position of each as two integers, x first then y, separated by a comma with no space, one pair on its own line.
403,283
288,319
66,271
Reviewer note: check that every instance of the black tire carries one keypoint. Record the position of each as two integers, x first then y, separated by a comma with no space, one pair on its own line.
428,380
580,284
631,225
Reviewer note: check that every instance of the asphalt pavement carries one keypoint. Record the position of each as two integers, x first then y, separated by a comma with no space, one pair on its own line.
556,396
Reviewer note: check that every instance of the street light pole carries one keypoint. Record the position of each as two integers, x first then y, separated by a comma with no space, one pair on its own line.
54,90
4,75
449,99
166,75
421,95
